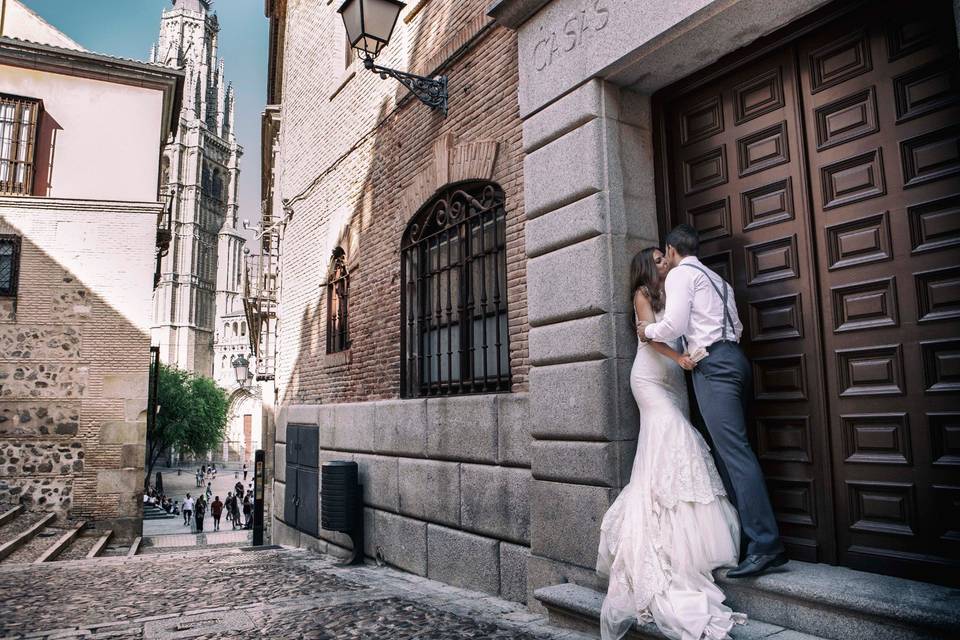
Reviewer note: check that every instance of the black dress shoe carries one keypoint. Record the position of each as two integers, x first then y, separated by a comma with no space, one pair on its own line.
757,563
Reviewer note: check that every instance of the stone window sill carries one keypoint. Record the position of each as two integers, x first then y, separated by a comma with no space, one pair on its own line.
338,359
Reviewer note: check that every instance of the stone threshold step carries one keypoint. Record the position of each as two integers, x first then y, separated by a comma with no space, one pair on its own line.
818,600
572,606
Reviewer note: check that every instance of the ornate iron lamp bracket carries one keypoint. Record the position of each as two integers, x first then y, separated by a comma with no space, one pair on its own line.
430,91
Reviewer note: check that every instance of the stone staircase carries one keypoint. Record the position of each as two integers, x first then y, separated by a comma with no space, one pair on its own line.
803,601
153,512
27,537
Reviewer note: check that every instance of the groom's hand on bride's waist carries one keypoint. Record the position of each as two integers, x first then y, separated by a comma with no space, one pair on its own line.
641,331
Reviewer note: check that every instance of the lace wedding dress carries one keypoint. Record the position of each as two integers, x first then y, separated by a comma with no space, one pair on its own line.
672,524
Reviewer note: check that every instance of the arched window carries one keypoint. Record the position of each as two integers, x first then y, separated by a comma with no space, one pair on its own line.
234,329
243,328
216,186
454,302
338,292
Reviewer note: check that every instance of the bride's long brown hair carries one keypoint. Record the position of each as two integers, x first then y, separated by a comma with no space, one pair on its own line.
644,276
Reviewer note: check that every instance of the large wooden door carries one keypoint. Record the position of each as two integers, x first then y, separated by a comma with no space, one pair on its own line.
881,101
823,173
736,162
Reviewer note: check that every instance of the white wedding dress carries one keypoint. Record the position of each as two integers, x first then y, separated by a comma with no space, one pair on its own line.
672,524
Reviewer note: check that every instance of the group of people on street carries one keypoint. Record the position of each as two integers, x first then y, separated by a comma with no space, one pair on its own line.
206,474
238,506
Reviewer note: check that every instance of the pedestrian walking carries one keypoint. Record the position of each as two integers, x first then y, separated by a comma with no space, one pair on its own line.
208,492
199,511
235,510
244,471
248,512
216,510
188,504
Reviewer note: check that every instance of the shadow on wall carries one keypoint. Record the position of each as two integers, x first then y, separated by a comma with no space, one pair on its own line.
73,384
371,236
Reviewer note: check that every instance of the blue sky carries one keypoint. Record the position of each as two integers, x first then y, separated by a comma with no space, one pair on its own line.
128,28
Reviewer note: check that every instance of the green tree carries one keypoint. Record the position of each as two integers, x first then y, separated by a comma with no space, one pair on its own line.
192,415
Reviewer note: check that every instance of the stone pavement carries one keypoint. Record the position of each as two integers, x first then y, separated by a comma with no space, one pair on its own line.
237,593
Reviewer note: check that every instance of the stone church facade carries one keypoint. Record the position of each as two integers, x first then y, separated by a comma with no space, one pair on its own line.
594,131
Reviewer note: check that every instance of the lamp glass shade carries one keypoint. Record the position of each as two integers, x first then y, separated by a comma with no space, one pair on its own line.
370,23
241,369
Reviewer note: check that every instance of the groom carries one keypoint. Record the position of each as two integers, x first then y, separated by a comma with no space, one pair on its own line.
700,308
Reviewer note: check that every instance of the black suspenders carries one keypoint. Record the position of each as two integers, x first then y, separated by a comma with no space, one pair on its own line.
723,296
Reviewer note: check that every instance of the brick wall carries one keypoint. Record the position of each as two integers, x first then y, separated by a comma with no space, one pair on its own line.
331,112
74,359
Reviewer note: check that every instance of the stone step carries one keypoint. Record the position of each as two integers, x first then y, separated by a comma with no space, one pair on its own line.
100,544
25,535
578,608
60,544
808,600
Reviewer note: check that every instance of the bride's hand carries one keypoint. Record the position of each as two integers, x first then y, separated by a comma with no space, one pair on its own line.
686,362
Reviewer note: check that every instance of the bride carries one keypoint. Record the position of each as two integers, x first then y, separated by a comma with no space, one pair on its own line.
672,524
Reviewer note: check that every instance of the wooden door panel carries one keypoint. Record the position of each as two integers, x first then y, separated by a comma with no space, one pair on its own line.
881,101
736,166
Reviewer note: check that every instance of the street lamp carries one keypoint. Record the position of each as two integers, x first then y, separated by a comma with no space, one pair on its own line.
369,25
241,368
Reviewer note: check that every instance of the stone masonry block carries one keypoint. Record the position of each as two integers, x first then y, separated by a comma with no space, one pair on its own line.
574,400
463,428
567,169
571,111
325,422
280,461
572,282
513,571
576,461
120,432
281,424
430,490
127,385
565,520
463,559
302,414
380,479
401,427
279,493
495,501
401,542
132,456
354,426
513,426
119,481
590,338
575,222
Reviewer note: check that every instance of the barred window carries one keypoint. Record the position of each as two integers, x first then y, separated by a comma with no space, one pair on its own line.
18,134
454,302
9,264
338,293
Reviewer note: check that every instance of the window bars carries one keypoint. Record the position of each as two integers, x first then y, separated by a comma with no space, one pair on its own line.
454,303
338,291
18,134
9,265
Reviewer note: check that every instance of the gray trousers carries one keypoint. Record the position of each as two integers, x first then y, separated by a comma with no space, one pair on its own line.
722,382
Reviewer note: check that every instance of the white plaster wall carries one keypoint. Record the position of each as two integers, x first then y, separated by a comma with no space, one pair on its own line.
104,141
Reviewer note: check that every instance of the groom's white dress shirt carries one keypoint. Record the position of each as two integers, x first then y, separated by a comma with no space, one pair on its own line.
694,309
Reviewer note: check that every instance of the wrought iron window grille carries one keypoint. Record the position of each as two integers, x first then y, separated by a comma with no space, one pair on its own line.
9,265
18,140
455,338
338,293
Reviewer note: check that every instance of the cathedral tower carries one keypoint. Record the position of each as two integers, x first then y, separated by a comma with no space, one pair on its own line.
200,274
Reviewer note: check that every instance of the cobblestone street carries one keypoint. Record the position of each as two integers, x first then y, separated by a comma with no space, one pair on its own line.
233,593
